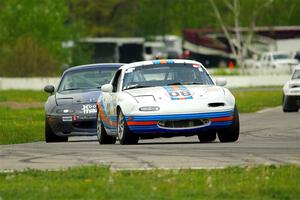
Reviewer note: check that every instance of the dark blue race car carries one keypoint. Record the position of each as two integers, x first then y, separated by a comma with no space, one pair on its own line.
71,108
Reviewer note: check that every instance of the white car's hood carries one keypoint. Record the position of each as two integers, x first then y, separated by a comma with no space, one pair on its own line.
169,93
294,82
180,99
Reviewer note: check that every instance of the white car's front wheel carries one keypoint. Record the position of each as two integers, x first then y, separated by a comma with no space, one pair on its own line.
124,134
231,134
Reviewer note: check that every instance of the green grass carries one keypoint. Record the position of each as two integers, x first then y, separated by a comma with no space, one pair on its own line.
263,182
23,96
21,125
225,72
27,125
252,101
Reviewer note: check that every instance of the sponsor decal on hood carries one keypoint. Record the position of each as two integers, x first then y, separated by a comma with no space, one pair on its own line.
89,108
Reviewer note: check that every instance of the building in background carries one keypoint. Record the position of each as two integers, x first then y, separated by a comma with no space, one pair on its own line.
113,49
211,47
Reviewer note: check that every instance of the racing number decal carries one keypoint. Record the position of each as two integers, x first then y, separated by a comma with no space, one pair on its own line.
184,93
178,92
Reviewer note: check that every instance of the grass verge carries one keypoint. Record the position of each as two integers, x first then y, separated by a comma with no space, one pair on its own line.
252,101
21,120
263,182
27,96
21,125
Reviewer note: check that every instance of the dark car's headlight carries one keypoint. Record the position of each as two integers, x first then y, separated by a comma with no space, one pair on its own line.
65,111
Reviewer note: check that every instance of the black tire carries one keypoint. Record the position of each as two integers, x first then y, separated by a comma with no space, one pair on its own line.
207,136
231,134
102,136
286,107
290,110
51,137
124,134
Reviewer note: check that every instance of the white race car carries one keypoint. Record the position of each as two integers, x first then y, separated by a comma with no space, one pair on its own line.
291,93
165,98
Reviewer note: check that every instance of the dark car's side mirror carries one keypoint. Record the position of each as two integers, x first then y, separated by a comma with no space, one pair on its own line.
49,88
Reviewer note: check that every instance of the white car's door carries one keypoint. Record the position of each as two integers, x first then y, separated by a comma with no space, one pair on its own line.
109,104
106,110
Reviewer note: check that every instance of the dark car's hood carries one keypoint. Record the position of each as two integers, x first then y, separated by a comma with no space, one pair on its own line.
77,97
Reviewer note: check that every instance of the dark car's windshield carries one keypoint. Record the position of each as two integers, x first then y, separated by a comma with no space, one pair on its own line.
86,78
165,74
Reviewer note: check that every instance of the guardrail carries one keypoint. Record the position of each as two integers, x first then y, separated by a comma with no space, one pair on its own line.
255,81
36,83
232,82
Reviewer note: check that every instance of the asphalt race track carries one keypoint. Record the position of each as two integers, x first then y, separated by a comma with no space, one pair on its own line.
269,137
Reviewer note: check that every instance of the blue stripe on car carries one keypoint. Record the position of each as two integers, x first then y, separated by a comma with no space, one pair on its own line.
157,129
180,116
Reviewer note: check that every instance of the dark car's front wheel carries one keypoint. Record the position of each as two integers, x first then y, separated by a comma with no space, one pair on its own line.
231,134
102,136
51,137
124,134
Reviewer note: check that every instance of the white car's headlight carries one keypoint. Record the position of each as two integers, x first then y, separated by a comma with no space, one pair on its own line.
149,108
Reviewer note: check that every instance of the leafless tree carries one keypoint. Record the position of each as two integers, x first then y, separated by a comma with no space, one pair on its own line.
238,43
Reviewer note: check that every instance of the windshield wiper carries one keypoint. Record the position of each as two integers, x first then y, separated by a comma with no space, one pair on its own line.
193,83
136,86
86,88
175,83
186,83
72,89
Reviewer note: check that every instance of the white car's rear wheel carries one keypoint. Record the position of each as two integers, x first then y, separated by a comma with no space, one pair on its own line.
102,136
124,134
231,134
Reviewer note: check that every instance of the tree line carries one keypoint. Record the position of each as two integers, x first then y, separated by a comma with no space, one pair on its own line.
32,31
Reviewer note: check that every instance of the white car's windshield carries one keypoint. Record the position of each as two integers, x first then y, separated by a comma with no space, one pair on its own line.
280,56
296,74
86,79
165,74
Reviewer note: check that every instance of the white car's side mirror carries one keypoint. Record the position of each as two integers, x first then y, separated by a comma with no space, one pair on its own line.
221,82
107,88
